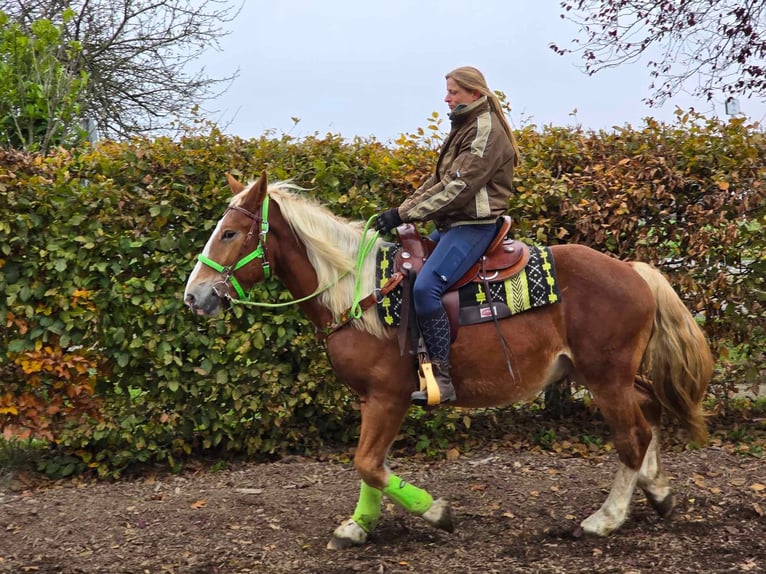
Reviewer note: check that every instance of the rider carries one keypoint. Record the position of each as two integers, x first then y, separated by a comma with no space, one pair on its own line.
464,197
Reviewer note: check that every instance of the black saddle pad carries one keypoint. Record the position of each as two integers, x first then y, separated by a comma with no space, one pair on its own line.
534,286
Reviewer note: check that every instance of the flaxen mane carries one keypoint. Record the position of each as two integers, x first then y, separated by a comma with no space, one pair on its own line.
332,245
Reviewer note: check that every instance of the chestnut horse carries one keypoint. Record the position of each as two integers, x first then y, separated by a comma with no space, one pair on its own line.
619,330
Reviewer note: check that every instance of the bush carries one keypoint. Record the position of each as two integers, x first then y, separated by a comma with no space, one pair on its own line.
103,359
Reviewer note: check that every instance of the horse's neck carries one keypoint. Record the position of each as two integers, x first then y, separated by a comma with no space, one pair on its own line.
297,274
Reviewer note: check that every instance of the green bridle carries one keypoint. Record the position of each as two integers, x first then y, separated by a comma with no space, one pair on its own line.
367,244
259,252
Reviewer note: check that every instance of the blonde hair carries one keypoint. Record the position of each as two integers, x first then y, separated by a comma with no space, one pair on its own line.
471,79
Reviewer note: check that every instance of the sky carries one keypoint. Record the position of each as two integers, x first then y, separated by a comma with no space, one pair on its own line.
372,68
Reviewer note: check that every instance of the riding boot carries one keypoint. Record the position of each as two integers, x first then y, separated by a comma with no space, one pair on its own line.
444,382
435,330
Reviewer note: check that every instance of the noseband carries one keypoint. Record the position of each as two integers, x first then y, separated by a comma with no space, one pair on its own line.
259,252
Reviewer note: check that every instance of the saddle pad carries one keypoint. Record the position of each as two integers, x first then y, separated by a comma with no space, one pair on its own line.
534,286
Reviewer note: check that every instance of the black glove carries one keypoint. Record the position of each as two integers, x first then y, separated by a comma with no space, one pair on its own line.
387,220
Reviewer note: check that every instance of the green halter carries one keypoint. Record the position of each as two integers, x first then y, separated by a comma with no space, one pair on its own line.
258,253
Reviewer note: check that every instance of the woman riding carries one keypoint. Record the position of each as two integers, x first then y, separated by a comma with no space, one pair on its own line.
464,197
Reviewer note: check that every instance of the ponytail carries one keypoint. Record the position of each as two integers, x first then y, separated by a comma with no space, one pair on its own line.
494,103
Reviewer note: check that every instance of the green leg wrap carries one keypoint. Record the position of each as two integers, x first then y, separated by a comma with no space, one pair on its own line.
411,498
367,510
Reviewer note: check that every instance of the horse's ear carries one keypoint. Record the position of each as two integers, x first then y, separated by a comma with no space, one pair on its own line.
257,192
235,186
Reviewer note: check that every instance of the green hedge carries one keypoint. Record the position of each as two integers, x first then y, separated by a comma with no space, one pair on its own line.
101,356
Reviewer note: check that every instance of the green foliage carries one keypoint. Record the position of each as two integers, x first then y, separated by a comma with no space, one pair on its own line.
745,441
39,97
101,357
545,438
430,432
689,198
19,454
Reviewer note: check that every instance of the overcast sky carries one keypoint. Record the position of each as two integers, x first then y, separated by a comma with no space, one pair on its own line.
376,68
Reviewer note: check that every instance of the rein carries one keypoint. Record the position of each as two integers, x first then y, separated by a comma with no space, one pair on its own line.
359,304
365,248
249,303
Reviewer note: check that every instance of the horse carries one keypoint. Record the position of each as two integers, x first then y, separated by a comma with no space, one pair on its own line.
620,330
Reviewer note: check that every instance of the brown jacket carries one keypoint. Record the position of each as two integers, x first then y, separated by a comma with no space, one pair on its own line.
474,173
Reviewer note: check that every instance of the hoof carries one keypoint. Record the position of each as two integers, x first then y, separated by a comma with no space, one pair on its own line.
439,515
599,524
347,535
598,532
664,507
579,532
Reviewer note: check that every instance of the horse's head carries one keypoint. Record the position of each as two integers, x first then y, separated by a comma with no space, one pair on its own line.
235,257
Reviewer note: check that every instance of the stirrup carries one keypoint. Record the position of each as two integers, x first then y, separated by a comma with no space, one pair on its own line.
430,393
423,399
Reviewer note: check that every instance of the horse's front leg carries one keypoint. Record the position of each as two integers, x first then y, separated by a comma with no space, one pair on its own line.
354,531
381,418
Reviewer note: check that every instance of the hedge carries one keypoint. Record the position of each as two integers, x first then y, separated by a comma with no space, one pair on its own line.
101,358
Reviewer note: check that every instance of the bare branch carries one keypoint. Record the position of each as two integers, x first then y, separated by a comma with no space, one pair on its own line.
137,54
720,44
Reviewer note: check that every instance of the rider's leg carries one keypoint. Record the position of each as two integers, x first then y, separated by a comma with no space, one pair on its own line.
457,250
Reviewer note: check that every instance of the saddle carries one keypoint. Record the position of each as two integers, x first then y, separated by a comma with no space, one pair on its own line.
504,258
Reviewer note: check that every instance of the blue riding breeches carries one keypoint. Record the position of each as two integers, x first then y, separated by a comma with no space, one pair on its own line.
457,249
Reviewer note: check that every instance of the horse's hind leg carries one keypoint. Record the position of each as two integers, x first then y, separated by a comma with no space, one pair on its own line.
652,478
632,435
615,509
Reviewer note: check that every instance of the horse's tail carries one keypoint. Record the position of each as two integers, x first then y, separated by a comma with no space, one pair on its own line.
677,359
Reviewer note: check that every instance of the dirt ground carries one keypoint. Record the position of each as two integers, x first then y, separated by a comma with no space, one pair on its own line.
516,507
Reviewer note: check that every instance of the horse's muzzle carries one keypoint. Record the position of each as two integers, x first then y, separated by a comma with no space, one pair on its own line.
207,305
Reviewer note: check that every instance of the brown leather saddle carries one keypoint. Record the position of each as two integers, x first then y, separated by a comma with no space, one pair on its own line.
504,258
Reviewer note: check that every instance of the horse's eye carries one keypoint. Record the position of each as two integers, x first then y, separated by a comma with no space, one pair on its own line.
228,235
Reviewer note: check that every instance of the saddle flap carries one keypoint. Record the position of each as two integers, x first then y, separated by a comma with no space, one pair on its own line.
504,256
415,249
